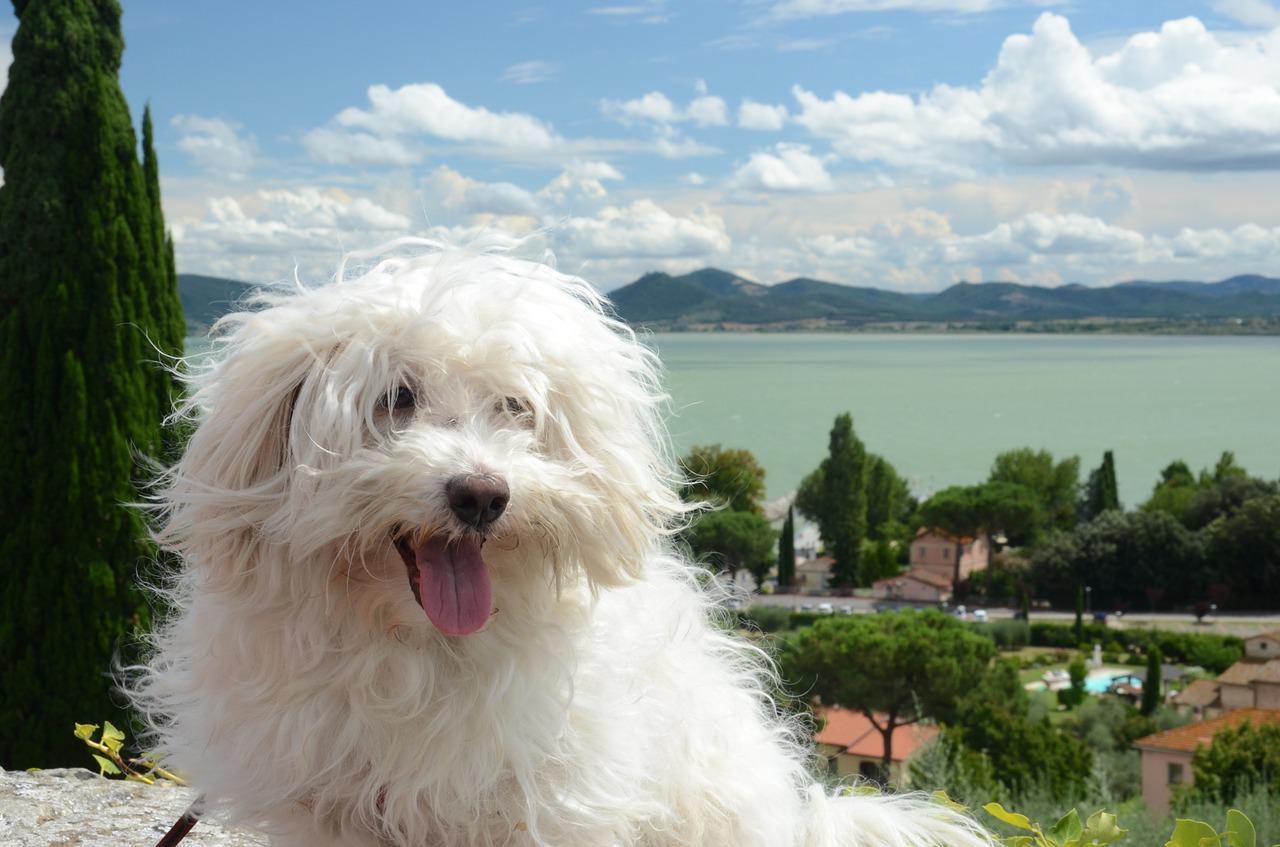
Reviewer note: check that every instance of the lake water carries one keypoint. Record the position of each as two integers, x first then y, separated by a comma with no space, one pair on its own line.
940,407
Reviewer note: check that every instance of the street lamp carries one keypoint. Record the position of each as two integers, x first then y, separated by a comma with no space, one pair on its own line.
1088,599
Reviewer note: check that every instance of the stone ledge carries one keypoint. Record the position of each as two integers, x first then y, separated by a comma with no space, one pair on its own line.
71,806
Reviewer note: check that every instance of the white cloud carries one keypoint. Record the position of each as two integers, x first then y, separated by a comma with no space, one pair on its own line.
694,179
528,73
790,168
336,147
643,230
6,56
1258,13
825,8
380,133
461,195
215,144
259,236
1175,99
581,183
708,110
656,108
652,12
765,116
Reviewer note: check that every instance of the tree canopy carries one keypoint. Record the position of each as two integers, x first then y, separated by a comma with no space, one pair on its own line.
1055,485
1239,759
727,477
895,668
975,509
734,541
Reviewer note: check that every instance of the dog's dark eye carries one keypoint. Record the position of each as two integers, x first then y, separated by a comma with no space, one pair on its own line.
403,399
515,405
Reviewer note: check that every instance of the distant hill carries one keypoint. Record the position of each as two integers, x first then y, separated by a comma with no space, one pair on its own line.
207,298
712,298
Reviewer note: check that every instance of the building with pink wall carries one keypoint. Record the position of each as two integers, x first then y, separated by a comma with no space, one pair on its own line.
1166,756
939,551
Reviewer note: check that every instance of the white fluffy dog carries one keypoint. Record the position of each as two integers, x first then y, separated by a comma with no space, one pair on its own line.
428,595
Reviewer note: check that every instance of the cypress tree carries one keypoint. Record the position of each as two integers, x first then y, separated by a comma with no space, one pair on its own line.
787,552
1151,687
845,488
1079,616
87,291
1101,491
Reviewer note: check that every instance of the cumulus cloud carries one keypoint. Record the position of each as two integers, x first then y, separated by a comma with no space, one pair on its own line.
395,116
461,195
259,236
644,230
215,144
581,183
765,116
791,167
528,73
658,109
1179,98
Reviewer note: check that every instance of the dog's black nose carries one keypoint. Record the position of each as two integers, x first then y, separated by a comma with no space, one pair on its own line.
477,499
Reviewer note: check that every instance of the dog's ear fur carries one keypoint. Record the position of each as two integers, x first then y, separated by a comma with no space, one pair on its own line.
612,420
234,474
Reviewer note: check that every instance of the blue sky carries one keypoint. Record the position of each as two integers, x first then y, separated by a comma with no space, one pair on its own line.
907,144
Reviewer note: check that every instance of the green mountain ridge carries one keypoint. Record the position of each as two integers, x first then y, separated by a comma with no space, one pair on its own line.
712,298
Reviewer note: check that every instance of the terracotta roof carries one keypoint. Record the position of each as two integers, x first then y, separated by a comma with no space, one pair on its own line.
1200,693
1186,739
1274,635
854,732
1246,671
928,577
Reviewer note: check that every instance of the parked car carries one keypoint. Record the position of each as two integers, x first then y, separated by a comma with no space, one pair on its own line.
846,610
980,615
826,609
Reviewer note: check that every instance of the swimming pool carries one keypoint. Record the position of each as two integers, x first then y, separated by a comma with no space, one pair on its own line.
1098,681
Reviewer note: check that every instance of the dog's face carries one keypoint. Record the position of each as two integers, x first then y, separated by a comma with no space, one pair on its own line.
413,436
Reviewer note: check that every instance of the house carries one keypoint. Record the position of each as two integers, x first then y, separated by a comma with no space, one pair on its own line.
1200,698
1251,683
814,575
939,551
1166,756
918,585
854,747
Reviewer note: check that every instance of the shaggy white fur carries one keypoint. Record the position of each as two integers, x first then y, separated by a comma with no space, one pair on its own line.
304,679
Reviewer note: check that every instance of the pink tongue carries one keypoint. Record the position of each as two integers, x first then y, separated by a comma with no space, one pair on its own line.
454,585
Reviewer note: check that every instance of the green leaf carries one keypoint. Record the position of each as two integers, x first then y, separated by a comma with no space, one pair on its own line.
112,738
1102,828
107,766
863,790
1066,832
1188,833
84,731
1019,841
1012,818
1240,831
942,798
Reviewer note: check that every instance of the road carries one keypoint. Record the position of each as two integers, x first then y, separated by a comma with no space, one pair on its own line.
1242,625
